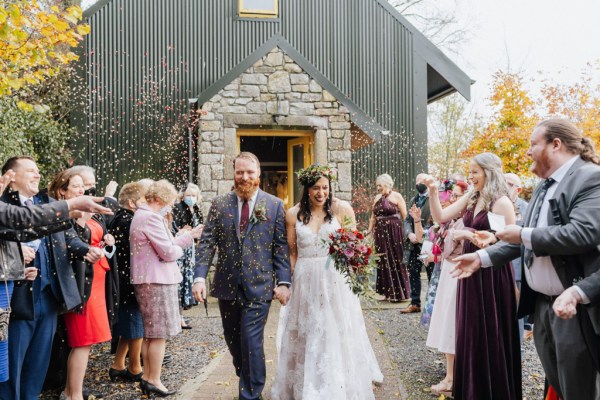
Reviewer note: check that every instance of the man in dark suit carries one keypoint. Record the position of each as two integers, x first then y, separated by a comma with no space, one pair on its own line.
30,341
561,261
247,228
415,265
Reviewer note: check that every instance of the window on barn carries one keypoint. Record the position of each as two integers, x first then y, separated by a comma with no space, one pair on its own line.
258,8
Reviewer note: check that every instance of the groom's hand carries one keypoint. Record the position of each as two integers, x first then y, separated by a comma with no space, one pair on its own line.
282,293
199,291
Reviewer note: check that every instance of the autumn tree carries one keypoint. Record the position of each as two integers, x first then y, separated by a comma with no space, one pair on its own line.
507,133
452,126
36,39
579,102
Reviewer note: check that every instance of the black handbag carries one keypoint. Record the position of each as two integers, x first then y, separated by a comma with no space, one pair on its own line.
21,303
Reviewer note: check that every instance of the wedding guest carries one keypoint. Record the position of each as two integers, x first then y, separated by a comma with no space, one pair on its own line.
129,329
488,358
415,264
436,234
442,327
33,322
559,243
90,324
387,226
155,277
186,215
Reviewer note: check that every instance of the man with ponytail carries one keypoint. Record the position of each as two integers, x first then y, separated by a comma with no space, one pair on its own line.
558,243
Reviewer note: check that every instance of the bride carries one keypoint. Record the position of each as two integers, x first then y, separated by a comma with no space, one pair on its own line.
324,351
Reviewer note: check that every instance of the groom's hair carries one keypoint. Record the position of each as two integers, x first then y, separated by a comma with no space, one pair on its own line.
248,156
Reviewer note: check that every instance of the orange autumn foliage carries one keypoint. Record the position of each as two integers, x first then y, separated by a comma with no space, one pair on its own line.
517,113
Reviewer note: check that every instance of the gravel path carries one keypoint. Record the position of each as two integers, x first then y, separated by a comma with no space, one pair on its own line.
191,351
421,367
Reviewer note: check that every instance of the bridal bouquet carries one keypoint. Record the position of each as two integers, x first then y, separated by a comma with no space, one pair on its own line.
352,256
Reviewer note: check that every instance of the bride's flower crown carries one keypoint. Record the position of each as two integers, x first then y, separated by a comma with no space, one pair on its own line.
310,175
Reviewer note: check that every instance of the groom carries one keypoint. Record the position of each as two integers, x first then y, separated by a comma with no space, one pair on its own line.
247,228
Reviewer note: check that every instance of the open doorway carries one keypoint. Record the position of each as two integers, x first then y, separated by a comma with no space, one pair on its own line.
281,154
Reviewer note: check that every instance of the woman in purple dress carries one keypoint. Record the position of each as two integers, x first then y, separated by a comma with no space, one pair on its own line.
387,225
488,356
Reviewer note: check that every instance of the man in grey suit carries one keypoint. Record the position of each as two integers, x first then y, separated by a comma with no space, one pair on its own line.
561,261
247,227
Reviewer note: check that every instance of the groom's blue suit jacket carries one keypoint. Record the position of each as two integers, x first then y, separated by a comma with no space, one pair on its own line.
253,261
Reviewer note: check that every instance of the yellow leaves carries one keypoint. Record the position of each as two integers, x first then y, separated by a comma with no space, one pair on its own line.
35,41
83,29
3,15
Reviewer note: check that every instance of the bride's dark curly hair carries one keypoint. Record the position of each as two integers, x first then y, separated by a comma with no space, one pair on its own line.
304,213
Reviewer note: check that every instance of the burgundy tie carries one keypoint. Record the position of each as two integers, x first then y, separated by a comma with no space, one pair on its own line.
244,217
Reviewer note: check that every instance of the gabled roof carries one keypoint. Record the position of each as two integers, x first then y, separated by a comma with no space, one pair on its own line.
444,77
358,116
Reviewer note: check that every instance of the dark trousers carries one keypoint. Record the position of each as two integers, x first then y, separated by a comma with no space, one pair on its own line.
244,325
565,348
414,273
29,348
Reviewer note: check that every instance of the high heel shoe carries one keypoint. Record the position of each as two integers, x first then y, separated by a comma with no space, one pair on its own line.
113,374
132,377
148,389
124,374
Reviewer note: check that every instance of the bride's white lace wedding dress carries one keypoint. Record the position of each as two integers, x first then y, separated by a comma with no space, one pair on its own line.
324,350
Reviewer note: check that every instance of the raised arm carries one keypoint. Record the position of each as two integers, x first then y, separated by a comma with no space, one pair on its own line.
452,211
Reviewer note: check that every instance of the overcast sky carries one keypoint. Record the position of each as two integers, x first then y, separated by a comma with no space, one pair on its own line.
539,38
555,37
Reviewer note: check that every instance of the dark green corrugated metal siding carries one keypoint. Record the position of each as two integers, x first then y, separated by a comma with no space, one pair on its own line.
187,45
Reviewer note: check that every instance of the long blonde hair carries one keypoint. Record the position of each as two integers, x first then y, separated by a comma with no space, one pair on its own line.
495,185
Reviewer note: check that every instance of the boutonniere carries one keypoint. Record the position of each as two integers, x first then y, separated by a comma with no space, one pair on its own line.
259,213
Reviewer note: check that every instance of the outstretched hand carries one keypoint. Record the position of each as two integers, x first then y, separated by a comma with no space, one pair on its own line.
88,204
466,265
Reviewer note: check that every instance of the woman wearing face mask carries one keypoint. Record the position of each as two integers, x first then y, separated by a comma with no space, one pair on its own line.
155,277
187,215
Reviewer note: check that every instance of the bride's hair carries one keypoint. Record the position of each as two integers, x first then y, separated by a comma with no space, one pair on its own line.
304,213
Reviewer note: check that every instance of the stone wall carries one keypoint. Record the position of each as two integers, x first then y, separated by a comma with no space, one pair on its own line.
273,85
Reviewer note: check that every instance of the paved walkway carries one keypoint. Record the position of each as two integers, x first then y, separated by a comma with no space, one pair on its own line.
218,381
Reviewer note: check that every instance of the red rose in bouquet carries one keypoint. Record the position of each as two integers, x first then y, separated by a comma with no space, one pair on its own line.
353,257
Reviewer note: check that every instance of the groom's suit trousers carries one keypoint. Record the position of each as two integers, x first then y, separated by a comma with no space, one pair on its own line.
243,325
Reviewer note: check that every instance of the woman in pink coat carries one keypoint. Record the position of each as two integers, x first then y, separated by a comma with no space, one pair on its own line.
155,277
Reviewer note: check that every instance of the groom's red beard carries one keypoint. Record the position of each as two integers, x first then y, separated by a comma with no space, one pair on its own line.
246,188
